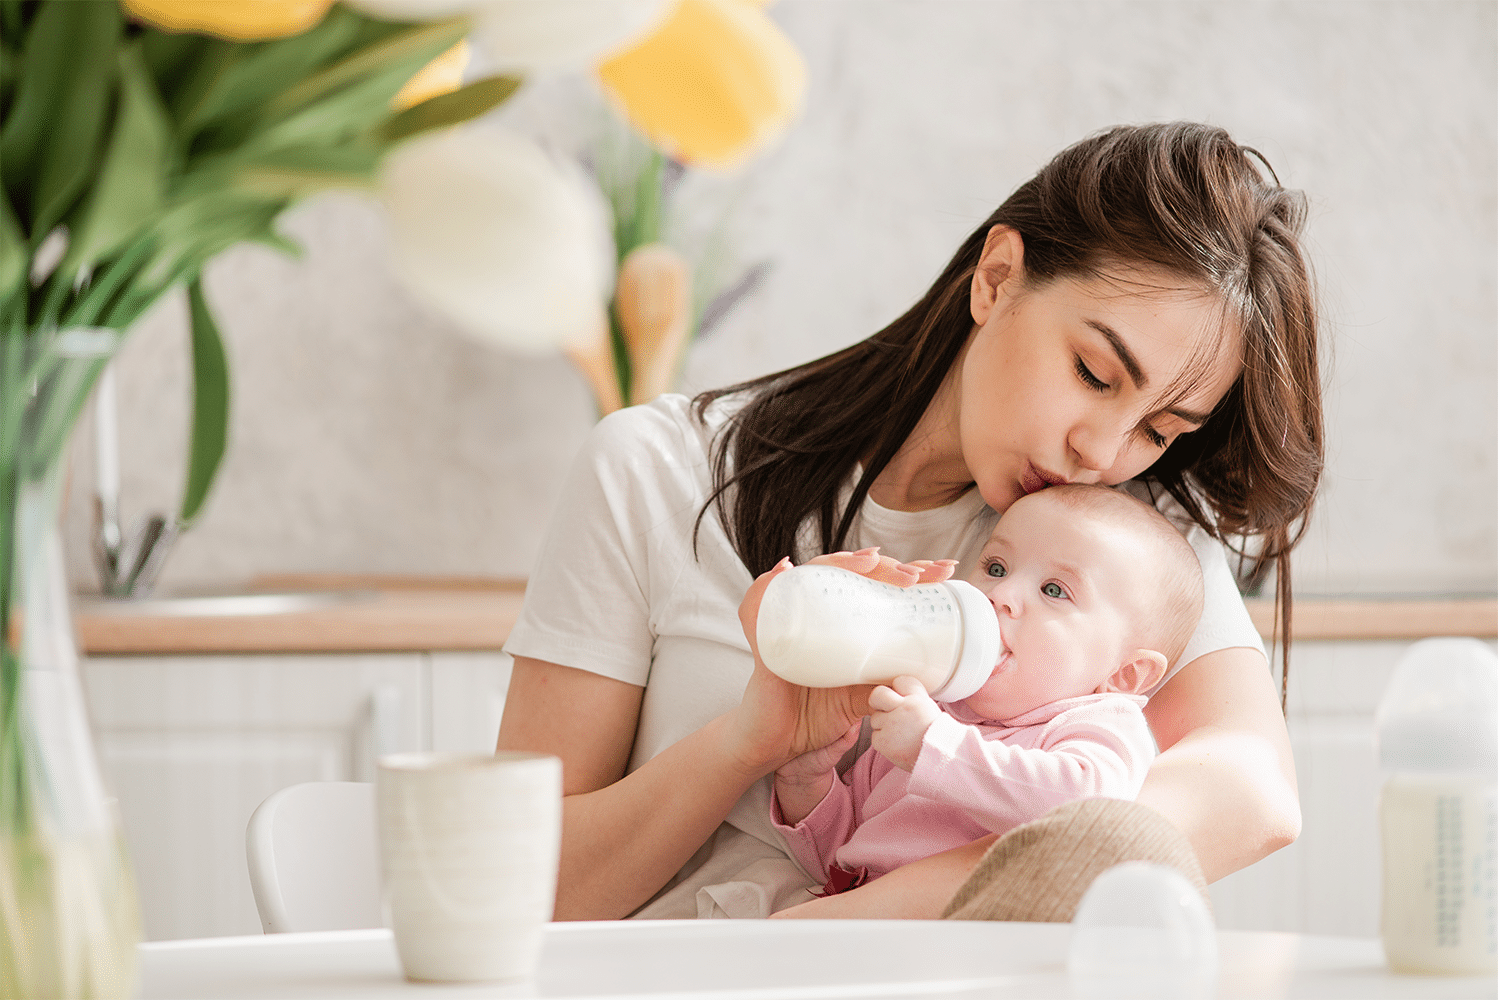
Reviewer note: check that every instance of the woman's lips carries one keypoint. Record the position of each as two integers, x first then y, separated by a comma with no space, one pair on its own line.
1034,479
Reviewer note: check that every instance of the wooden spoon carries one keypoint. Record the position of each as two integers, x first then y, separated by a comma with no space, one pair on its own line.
595,358
653,301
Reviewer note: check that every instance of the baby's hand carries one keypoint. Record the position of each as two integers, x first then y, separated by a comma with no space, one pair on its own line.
801,782
899,717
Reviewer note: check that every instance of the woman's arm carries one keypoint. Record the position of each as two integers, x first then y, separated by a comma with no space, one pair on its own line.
623,836
1225,776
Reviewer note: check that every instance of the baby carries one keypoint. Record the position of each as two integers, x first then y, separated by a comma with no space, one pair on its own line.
1096,595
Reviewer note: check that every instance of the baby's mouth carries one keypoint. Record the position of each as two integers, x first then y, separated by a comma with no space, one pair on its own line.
1002,664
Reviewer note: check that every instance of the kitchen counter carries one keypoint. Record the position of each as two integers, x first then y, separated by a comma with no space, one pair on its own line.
392,613
363,614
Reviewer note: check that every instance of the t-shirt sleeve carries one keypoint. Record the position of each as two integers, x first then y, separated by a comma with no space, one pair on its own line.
588,596
1226,622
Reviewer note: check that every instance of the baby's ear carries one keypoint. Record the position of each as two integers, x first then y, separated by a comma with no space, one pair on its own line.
1138,674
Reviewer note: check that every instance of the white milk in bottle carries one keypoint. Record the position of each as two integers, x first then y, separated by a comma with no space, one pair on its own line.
1436,732
820,626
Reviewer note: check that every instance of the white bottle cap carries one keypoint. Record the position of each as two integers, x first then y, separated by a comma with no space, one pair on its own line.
981,643
1438,711
1142,930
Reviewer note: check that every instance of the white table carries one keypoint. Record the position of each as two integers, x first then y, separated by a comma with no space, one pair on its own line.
769,960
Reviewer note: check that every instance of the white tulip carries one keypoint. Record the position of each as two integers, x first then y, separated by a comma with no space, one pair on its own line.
523,36
491,232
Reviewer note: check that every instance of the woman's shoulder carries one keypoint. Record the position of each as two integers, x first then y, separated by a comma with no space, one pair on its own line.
670,423
659,453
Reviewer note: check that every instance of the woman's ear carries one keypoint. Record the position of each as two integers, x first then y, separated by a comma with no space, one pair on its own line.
1000,261
1138,674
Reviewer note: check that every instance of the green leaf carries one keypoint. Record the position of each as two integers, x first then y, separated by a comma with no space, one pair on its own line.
408,49
210,405
193,78
262,70
12,22
132,179
51,136
170,56
192,232
449,109
13,253
345,115
305,170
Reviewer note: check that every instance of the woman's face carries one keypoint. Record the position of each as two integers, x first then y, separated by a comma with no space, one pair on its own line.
1067,382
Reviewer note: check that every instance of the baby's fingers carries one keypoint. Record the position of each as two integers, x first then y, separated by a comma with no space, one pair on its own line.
883,699
908,686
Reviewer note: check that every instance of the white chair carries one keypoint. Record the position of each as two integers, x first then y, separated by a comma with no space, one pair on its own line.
314,863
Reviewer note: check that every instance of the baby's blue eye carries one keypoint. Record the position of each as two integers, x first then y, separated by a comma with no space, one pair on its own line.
1053,590
995,569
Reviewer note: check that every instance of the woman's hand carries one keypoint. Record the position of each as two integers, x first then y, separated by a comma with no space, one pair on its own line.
778,720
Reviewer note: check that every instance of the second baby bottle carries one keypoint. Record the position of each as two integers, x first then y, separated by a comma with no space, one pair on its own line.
820,626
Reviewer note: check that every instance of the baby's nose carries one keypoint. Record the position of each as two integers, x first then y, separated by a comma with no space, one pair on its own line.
1005,596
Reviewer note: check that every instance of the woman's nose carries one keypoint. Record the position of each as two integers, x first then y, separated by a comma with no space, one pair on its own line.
1097,444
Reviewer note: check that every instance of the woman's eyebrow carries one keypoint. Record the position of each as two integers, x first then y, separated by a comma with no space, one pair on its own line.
1122,351
1137,375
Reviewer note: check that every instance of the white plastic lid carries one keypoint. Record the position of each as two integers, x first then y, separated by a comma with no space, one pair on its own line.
981,643
1438,710
1142,930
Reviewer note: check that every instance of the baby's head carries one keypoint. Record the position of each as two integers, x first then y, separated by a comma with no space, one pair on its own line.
1094,590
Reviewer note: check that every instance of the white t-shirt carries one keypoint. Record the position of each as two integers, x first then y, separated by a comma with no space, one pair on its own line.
618,590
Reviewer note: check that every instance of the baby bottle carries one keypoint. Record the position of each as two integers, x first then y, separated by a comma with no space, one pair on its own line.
820,626
1436,733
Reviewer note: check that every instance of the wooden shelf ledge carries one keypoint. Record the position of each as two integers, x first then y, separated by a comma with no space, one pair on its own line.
1380,618
402,613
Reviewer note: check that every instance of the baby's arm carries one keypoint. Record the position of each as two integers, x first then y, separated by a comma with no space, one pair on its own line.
1097,751
899,718
802,782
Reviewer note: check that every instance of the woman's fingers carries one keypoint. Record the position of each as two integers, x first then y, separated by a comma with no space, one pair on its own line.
933,570
869,562
843,743
750,603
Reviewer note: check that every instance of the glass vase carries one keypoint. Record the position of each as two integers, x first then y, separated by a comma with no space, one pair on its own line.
69,919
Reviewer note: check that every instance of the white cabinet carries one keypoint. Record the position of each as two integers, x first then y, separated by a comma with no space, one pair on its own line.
192,744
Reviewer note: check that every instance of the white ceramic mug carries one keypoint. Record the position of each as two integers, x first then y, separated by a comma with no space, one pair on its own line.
468,857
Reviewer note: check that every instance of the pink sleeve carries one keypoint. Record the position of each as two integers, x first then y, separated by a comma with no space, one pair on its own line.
1100,751
813,842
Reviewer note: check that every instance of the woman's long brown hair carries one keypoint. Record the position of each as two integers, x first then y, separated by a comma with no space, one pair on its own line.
1178,197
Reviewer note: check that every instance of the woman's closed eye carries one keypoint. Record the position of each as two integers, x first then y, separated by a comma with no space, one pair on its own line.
1088,377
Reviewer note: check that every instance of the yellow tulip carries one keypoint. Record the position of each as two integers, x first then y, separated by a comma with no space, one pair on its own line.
237,20
715,82
443,75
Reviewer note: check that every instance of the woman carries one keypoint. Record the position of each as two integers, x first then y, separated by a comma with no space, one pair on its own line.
1137,314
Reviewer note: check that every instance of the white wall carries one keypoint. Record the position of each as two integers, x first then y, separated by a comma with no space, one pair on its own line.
368,436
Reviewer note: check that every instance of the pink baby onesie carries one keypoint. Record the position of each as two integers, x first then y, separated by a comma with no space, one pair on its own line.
973,777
